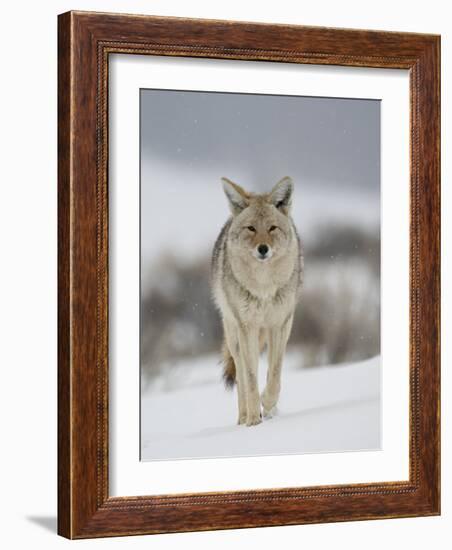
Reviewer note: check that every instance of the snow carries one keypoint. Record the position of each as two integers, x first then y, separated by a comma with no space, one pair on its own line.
187,413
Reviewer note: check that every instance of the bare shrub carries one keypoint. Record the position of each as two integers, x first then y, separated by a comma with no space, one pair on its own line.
178,317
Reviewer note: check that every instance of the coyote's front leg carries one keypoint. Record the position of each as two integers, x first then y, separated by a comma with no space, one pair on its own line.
249,360
277,341
232,341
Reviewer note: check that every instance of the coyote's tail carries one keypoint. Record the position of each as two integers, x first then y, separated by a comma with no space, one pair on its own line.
228,368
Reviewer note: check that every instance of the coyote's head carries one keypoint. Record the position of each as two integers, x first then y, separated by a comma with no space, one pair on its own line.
261,224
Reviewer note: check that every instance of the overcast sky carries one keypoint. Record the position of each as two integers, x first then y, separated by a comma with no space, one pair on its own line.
264,137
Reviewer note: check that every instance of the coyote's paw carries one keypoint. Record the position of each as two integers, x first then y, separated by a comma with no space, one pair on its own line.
254,419
270,413
268,401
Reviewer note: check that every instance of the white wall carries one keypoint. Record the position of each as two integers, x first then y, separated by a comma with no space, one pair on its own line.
28,268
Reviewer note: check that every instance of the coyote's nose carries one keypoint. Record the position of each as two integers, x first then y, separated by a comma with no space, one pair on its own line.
262,249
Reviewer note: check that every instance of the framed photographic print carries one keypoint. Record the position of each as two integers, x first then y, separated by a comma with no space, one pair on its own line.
248,275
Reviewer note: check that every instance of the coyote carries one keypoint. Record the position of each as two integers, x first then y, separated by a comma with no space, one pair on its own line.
257,271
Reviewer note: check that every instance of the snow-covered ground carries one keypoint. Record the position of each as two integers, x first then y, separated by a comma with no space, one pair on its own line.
187,413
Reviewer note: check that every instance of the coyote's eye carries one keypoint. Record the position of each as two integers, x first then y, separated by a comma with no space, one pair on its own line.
272,228
251,228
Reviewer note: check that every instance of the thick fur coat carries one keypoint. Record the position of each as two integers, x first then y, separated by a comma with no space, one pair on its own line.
257,273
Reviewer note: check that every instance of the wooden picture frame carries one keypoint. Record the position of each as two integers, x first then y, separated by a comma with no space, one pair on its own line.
85,41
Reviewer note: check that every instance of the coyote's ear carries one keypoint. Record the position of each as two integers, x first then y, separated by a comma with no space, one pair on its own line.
238,198
281,195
